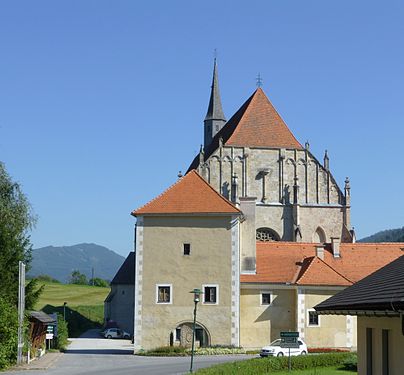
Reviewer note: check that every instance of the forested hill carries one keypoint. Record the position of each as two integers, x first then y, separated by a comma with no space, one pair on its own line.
59,262
389,235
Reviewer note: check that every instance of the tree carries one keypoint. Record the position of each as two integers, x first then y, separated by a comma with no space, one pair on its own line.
96,281
16,221
77,277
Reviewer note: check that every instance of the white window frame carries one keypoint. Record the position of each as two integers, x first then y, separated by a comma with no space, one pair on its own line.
157,293
217,294
266,292
308,319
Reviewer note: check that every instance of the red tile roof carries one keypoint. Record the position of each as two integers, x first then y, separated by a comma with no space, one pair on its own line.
297,263
189,195
255,124
258,124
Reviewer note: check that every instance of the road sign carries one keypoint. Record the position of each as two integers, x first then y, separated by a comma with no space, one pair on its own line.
289,334
49,336
289,340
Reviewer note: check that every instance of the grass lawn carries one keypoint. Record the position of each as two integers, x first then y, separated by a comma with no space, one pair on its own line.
85,305
75,295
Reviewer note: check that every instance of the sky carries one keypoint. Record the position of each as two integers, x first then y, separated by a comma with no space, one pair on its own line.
102,102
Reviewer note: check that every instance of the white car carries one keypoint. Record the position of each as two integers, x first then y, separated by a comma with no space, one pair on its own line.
274,349
116,333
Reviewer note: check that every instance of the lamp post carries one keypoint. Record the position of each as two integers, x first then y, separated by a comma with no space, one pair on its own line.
197,294
64,310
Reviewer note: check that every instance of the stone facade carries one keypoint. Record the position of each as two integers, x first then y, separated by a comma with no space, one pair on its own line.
296,196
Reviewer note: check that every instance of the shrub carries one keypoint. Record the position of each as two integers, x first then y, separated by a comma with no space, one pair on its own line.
258,366
61,341
351,363
180,351
8,333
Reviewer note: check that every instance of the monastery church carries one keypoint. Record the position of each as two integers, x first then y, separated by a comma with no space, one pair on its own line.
261,226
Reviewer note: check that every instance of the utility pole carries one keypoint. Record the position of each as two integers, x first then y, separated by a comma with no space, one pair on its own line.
21,309
92,277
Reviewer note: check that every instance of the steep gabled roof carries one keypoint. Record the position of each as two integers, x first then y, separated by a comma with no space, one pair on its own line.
383,290
255,124
191,194
215,110
126,273
297,263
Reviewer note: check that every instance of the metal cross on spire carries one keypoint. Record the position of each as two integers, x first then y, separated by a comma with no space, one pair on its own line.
215,53
259,80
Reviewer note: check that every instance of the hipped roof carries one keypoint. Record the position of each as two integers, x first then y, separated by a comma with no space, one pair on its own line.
192,195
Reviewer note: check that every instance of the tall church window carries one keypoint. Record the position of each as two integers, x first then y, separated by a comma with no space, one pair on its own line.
319,236
266,234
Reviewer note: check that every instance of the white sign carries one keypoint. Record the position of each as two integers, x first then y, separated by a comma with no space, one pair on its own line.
49,336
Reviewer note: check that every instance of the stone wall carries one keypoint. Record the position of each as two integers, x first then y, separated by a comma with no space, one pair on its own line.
270,175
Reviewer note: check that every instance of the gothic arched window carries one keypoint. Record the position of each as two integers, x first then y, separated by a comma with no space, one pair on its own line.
319,236
266,234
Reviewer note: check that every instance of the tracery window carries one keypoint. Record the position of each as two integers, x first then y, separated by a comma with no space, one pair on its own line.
266,234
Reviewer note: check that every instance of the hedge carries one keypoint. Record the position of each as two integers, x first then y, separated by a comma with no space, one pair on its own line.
258,366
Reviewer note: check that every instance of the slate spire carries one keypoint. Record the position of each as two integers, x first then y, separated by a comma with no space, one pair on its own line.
214,119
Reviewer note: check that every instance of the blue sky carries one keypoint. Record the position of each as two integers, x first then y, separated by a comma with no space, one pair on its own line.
102,102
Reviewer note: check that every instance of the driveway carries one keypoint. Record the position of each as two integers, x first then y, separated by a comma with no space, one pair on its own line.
90,354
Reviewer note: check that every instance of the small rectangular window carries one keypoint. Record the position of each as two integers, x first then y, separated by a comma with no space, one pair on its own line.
163,293
313,318
187,248
266,298
178,334
210,294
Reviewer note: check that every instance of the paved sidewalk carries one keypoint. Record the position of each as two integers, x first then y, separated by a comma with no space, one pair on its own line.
43,363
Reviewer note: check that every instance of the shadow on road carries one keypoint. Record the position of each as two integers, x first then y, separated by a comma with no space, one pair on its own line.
99,351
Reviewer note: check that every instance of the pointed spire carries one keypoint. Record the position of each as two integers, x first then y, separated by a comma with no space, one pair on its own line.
214,119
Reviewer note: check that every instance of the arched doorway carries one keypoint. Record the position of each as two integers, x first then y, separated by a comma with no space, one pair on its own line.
182,335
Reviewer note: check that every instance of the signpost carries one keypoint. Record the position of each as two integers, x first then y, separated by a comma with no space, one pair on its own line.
289,340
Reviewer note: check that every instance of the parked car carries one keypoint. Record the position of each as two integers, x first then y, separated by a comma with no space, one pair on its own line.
274,349
116,333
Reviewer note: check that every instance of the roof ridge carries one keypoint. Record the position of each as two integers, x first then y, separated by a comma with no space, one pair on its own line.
309,261
340,274
161,194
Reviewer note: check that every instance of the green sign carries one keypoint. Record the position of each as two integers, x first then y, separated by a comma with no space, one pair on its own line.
49,329
289,334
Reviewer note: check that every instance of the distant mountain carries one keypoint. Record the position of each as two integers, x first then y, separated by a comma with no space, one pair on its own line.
59,262
389,235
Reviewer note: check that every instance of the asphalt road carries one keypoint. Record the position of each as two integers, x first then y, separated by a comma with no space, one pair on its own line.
94,355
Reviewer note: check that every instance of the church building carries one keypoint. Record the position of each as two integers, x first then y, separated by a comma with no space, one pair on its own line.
261,227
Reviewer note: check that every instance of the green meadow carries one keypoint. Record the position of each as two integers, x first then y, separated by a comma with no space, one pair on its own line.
84,309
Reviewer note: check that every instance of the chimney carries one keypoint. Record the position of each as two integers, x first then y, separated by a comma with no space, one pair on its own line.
335,243
320,252
234,189
248,235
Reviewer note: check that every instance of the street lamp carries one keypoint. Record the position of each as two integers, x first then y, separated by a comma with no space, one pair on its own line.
64,310
197,294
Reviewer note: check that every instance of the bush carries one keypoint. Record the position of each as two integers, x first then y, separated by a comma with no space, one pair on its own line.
61,340
258,366
351,363
47,279
180,351
8,333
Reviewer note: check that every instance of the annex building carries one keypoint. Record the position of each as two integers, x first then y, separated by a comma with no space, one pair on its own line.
262,227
